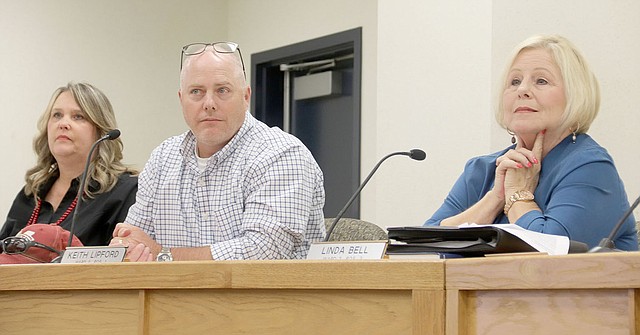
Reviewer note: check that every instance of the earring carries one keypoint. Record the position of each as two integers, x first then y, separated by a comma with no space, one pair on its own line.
513,136
573,138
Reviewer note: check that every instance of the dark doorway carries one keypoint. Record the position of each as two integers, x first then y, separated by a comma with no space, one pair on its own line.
312,90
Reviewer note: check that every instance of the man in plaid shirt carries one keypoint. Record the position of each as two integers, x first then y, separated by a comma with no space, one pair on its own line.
230,187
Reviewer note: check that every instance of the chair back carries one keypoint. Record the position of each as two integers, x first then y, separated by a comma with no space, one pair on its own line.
348,229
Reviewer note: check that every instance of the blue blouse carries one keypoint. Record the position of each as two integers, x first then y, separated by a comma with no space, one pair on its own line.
580,194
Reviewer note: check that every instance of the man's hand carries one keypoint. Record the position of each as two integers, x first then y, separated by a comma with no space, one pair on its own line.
140,246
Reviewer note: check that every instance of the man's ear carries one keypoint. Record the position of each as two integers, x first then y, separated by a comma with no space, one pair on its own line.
247,95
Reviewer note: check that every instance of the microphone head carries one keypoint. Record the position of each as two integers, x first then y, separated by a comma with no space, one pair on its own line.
113,134
417,154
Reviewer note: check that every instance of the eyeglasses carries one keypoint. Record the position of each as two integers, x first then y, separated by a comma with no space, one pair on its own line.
221,47
14,245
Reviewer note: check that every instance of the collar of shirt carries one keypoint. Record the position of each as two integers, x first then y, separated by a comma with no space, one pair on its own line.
72,191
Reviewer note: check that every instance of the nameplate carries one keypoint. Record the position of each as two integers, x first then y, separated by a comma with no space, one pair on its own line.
76,255
347,250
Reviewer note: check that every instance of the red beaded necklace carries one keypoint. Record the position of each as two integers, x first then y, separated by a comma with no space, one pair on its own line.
36,212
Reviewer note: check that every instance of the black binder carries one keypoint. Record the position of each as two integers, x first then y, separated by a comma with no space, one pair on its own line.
468,241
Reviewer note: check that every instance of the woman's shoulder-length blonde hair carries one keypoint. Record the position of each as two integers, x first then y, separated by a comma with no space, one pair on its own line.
581,87
106,161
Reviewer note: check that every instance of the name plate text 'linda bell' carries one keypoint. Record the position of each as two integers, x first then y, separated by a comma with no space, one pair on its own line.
75,255
347,250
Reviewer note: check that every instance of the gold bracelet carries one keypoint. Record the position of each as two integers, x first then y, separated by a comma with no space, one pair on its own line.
522,195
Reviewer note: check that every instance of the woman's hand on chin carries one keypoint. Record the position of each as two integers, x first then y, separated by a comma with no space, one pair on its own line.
526,173
519,168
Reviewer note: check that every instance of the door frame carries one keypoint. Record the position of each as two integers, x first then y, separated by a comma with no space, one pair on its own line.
262,98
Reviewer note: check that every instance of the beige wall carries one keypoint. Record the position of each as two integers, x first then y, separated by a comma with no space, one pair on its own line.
428,72
130,49
434,73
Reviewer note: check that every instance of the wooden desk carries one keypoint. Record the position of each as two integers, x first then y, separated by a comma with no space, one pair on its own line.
227,297
572,294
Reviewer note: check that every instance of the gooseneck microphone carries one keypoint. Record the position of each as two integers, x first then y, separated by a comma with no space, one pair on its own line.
111,135
606,244
416,154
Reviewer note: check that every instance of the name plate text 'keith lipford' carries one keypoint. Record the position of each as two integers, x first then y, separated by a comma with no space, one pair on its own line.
75,255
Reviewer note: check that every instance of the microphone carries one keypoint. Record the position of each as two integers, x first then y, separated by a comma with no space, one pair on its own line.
606,244
111,135
416,154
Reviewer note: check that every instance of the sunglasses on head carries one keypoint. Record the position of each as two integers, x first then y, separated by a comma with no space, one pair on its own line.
220,47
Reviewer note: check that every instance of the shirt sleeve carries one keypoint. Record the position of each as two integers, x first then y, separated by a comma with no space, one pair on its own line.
474,182
128,201
584,205
17,212
141,212
278,205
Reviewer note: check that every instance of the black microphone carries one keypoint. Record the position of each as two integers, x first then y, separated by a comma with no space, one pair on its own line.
606,244
416,154
111,135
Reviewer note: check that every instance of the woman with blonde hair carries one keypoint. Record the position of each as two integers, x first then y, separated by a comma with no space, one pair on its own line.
555,178
78,114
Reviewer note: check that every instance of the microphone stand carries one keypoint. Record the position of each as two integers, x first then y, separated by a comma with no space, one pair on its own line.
416,154
111,135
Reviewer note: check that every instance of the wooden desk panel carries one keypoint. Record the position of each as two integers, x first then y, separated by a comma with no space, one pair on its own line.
230,297
281,312
69,312
571,294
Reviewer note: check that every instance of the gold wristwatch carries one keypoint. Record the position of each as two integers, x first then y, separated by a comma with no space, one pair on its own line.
164,255
522,195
